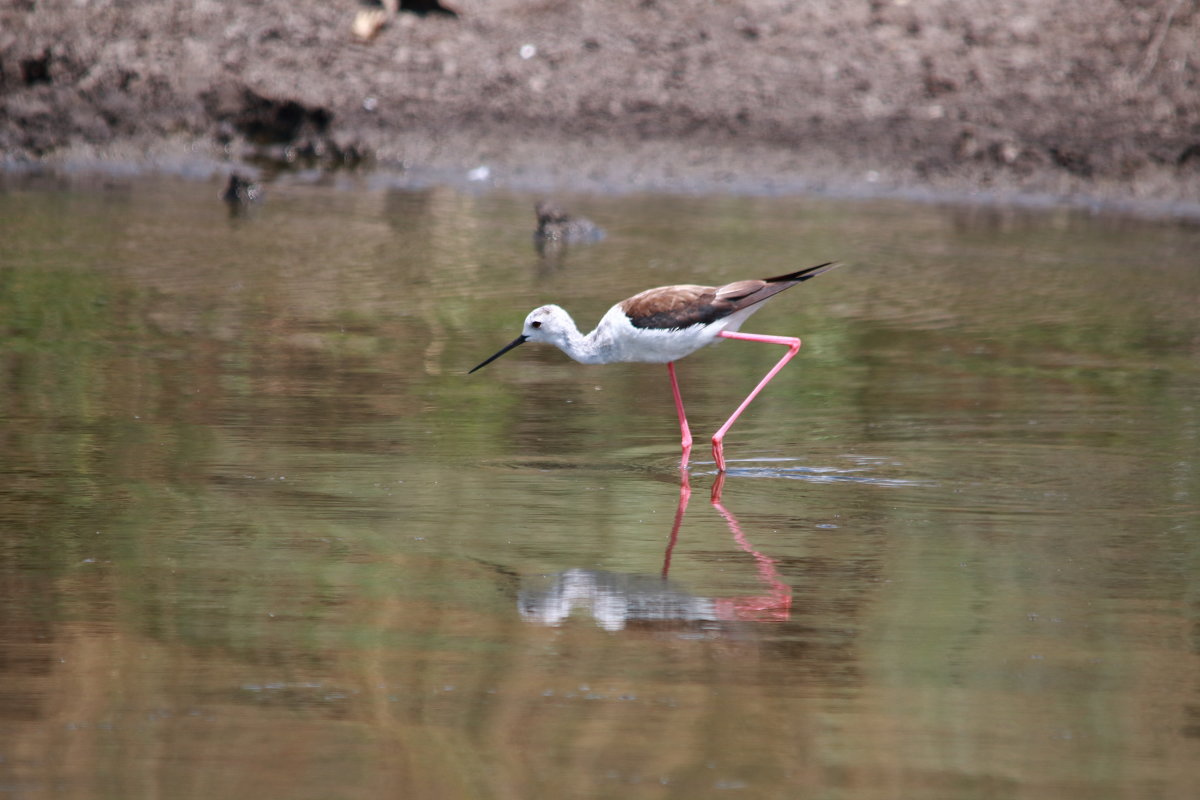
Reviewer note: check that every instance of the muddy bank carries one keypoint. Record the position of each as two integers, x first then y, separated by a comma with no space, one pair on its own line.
1096,99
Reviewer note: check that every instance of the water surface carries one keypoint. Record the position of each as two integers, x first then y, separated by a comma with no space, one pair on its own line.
260,535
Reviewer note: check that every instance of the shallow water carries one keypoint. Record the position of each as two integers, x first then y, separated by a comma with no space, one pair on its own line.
263,537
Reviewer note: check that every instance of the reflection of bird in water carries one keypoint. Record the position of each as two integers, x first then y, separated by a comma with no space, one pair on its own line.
615,600
662,326
555,225
241,192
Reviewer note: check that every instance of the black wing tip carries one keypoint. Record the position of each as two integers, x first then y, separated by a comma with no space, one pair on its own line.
806,273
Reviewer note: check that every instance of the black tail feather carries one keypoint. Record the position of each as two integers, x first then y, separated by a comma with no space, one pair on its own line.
804,274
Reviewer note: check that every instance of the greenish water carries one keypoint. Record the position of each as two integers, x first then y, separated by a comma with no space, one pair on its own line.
261,536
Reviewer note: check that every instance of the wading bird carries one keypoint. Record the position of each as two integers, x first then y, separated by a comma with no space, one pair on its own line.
662,326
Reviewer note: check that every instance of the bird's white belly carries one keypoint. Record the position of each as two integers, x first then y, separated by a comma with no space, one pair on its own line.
659,346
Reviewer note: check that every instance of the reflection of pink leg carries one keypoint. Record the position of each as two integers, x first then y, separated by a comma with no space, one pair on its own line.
793,345
685,494
775,606
684,431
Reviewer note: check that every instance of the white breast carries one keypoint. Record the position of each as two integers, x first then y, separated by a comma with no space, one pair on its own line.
618,340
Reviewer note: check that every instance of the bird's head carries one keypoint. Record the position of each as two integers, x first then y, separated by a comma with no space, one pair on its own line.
550,324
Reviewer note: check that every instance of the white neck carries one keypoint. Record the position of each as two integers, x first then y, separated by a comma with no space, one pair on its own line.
559,329
590,349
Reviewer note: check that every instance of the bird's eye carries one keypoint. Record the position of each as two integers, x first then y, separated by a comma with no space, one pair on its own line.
535,324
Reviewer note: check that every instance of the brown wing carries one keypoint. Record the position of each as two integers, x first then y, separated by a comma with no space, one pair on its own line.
669,307
743,290
741,294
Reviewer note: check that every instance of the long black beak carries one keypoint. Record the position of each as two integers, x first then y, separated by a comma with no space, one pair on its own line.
519,340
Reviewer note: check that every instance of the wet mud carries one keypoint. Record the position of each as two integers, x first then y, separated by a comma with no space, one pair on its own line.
1097,100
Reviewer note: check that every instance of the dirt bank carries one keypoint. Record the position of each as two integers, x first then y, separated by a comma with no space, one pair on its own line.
1094,98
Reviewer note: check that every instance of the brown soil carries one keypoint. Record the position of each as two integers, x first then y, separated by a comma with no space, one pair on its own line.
1095,99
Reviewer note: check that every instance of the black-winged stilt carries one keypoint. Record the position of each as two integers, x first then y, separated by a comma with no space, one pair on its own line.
665,324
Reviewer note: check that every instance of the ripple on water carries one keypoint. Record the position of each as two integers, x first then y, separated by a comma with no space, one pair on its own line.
862,469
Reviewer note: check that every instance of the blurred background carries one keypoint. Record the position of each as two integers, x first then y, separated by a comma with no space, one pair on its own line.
262,536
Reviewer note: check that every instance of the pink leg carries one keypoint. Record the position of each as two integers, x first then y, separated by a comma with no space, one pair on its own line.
684,431
793,345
